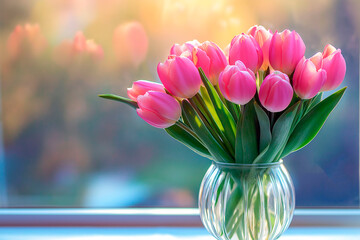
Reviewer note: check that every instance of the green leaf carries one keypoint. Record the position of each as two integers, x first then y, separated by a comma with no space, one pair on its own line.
264,123
114,97
280,135
314,101
248,135
312,122
209,105
183,118
199,104
233,108
188,140
204,135
223,113
299,114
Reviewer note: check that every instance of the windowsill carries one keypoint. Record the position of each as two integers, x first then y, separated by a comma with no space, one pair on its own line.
157,217
158,224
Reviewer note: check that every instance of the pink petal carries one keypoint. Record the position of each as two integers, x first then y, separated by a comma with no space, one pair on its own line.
328,50
153,119
242,87
335,67
275,52
317,59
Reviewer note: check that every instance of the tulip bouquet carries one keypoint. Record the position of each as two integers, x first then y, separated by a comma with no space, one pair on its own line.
252,104
255,102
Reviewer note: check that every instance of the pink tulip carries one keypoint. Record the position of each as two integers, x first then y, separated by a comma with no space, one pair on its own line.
80,47
263,38
26,39
141,87
178,49
130,43
335,67
211,59
180,76
285,51
309,77
275,92
158,109
245,48
237,83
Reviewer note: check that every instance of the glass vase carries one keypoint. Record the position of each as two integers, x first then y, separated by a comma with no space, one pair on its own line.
246,201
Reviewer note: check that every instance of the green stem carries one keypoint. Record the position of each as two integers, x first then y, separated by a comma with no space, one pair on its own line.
241,217
267,216
249,190
272,117
260,78
249,202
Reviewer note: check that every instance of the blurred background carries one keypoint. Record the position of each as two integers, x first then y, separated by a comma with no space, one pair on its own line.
65,147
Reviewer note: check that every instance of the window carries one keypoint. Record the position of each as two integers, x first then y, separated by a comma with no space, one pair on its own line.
65,147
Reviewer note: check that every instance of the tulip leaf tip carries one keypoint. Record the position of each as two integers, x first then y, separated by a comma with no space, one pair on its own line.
114,97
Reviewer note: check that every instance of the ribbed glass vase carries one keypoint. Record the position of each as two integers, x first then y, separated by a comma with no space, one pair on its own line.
246,201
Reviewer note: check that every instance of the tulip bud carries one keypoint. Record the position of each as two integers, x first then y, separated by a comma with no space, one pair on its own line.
285,51
26,40
178,49
80,47
308,77
335,66
158,109
141,87
130,43
211,59
245,48
237,83
263,38
179,76
275,92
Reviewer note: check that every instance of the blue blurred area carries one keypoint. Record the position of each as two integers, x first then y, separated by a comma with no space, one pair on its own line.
326,172
65,147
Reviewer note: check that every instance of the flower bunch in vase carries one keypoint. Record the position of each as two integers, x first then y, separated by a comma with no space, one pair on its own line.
245,109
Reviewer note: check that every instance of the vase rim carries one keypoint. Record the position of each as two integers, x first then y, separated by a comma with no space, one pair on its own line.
248,165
